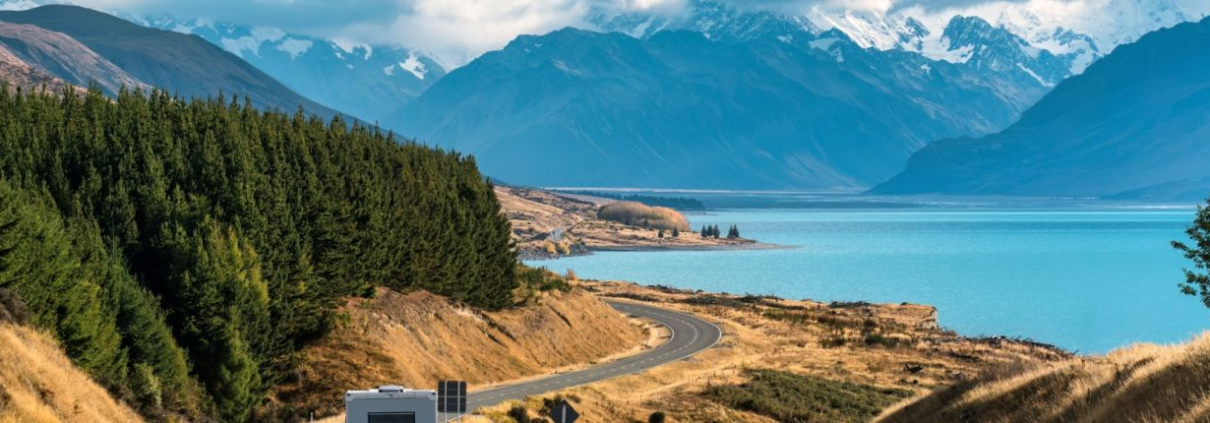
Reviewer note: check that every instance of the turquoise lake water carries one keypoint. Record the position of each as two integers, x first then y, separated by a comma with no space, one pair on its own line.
1084,280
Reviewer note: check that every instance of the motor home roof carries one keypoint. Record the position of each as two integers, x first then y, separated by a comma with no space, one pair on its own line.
390,391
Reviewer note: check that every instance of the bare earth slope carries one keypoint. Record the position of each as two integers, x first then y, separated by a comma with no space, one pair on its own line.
18,74
39,384
179,63
55,53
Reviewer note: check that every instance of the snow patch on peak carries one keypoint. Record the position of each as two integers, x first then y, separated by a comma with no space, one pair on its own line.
823,43
295,47
1035,76
352,47
414,66
250,43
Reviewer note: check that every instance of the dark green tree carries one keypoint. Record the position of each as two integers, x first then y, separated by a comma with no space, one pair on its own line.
1197,280
184,251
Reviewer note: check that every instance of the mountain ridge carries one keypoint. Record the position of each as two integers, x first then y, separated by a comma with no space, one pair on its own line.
1133,120
181,63
677,107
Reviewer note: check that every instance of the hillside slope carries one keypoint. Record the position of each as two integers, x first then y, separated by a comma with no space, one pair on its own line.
55,53
18,74
1135,120
182,64
417,339
38,384
1141,383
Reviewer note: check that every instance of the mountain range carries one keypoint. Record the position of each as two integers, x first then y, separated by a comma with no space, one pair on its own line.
716,96
1134,125
676,109
724,97
366,81
83,46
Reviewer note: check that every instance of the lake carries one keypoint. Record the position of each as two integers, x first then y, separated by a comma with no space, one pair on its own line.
1085,280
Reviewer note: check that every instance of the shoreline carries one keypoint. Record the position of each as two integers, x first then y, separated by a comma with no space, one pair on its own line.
755,245
589,250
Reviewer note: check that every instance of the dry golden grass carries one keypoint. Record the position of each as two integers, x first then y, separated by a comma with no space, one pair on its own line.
416,339
753,339
39,384
1139,383
638,214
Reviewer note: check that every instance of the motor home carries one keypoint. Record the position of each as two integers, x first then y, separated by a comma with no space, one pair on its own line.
391,404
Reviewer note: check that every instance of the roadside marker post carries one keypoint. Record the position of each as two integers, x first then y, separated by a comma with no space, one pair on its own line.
563,413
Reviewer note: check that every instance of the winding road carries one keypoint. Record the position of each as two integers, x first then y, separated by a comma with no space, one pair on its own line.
690,335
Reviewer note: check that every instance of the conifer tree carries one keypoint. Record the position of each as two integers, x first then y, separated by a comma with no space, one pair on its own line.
184,251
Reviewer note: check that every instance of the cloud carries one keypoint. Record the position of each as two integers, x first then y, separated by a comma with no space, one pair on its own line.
456,31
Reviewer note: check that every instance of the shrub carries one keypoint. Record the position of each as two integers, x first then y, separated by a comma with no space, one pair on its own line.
519,413
12,309
535,280
790,397
637,214
656,417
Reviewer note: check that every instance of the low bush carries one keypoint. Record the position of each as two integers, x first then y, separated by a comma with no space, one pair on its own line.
538,280
790,397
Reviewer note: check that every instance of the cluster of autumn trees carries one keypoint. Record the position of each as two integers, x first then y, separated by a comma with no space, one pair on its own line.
183,251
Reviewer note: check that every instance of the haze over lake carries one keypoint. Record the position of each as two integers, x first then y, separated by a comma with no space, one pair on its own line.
1086,280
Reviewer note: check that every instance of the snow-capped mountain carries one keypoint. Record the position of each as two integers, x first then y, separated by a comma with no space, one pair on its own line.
1081,30
1001,57
1132,126
365,81
715,21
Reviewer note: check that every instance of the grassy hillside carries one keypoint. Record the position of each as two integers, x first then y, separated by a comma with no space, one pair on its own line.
417,339
1140,383
38,384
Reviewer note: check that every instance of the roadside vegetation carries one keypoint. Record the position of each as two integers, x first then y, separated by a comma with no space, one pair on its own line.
638,214
791,397
184,251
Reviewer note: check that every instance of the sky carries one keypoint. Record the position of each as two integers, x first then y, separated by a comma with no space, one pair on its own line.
459,30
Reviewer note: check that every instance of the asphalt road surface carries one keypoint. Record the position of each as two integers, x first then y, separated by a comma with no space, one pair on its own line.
690,335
